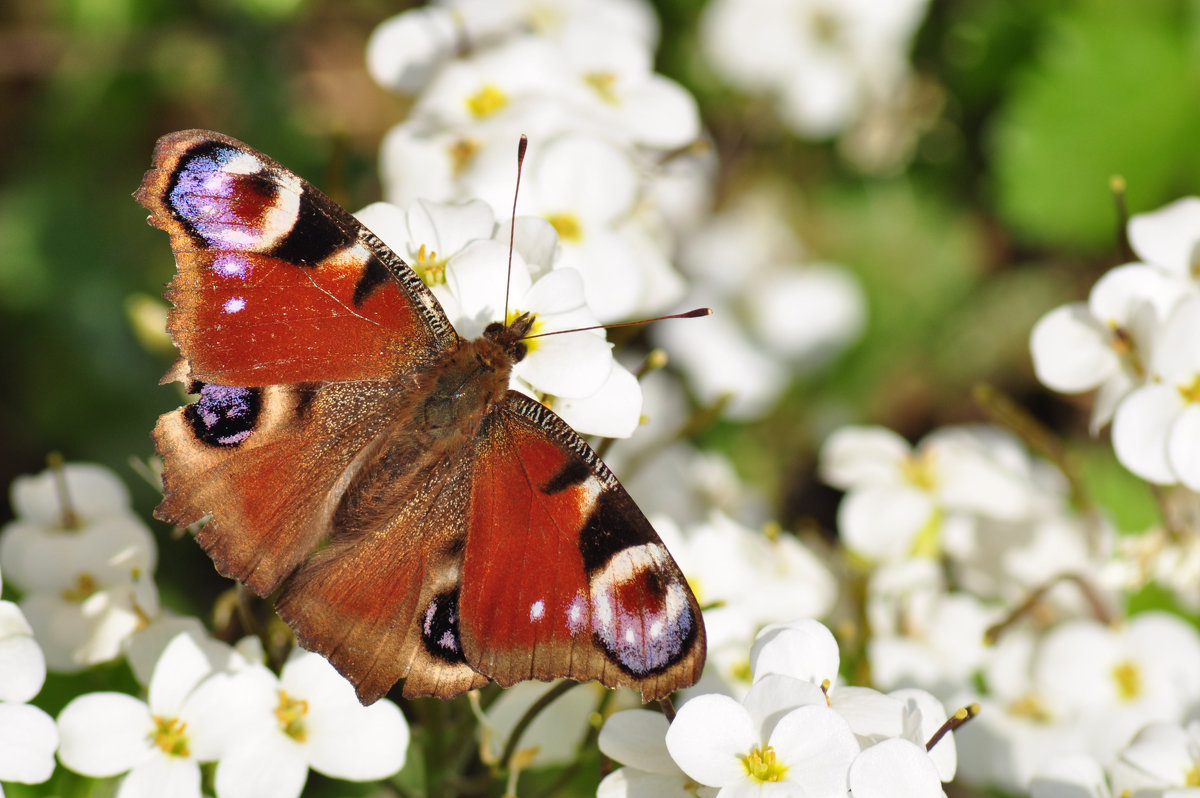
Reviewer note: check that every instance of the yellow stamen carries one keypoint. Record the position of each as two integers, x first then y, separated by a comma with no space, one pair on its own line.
604,83
429,267
1030,707
567,225
290,714
461,153
170,735
761,765
1128,679
1191,392
84,588
487,101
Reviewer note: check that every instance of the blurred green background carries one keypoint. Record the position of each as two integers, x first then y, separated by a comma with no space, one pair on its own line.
1028,108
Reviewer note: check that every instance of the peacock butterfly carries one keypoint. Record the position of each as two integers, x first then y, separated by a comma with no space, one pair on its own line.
349,449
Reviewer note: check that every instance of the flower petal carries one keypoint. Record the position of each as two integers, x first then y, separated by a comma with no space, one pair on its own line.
818,746
1140,428
162,776
28,738
804,649
708,738
103,734
894,769
637,737
269,765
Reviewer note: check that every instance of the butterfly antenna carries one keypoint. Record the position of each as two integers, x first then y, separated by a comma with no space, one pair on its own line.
512,228
691,314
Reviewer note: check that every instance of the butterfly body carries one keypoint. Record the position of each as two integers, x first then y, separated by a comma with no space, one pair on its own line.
419,520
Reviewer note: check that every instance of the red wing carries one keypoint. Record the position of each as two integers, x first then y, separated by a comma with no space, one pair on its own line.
277,283
563,574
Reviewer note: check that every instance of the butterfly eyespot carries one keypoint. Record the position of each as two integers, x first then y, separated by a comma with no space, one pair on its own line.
439,628
224,415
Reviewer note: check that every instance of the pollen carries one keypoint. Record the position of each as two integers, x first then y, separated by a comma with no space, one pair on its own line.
1191,391
85,586
1129,680
918,470
170,736
461,153
605,85
762,766
290,713
487,101
429,267
567,225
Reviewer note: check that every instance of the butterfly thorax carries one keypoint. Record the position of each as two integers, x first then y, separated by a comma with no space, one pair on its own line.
473,379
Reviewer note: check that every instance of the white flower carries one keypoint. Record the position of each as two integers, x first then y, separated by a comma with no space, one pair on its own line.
1071,776
1156,428
191,716
28,738
894,768
22,663
1105,343
1162,760
825,60
307,717
69,496
404,51
1117,680
554,736
903,502
637,738
1169,238
780,741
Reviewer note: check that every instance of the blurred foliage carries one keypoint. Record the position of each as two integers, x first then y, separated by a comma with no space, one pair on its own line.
1030,106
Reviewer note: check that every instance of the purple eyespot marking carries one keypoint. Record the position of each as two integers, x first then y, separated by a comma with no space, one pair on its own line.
641,614
439,628
227,198
224,415
234,305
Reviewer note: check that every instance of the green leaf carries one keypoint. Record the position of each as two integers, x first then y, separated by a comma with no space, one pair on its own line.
1113,93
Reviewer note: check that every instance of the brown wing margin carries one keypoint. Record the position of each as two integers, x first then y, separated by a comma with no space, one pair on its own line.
563,574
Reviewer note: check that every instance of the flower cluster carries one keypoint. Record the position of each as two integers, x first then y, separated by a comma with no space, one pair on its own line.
796,732
463,255
85,565
604,129
1134,342
827,64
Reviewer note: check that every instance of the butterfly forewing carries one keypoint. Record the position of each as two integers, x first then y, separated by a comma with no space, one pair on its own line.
277,283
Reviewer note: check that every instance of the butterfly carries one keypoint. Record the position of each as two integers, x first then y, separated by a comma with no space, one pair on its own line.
355,456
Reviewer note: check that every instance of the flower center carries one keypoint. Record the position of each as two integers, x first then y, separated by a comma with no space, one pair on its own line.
487,101
567,225
170,735
84,588
429,267
605,85
1030,707
927,542
290,714
1128,679
918,469
1191,391
461,153
1121,342
761,765
1192,777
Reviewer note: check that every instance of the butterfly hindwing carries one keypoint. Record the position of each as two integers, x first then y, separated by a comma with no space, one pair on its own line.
563,574
277,283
